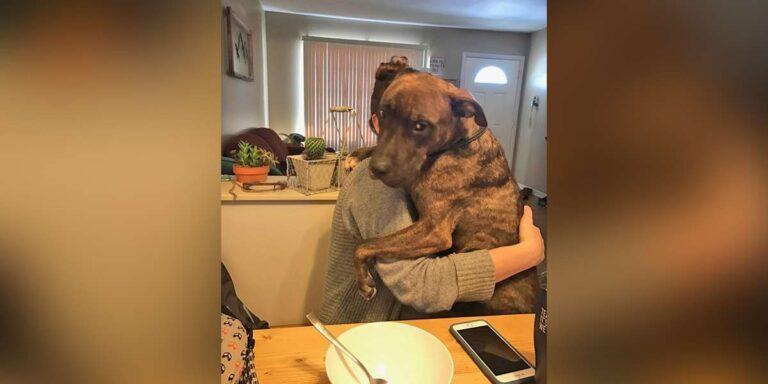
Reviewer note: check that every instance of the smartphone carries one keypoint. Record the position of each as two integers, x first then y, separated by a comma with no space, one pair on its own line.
498,360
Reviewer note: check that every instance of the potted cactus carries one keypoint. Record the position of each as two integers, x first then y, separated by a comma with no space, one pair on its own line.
313,168
314,148
252,163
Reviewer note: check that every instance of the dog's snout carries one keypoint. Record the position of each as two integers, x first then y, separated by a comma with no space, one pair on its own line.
380,166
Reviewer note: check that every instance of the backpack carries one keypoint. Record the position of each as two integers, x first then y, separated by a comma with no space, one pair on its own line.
236,348
231,305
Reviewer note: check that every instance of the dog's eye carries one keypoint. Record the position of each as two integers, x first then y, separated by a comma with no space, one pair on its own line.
381,113
420,126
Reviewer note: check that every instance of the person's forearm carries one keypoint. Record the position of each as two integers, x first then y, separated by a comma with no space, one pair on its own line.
433,284
426,284
513,259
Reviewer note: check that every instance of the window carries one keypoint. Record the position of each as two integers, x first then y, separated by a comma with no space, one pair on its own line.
342,74
491,75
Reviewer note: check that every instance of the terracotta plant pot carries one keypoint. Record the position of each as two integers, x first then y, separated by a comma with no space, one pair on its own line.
251,175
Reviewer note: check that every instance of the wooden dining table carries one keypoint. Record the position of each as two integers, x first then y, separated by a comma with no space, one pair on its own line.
297,354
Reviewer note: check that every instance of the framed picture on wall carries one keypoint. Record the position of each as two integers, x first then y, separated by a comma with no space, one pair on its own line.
238,47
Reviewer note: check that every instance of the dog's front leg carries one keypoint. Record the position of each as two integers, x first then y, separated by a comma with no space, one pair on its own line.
422,238
358,155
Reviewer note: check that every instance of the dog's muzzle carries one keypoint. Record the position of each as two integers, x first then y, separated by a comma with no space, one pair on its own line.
380,167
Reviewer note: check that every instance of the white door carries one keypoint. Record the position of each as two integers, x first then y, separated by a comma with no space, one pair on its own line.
494,81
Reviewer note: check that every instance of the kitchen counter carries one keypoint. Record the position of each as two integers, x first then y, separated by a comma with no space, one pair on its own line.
275,245
238,194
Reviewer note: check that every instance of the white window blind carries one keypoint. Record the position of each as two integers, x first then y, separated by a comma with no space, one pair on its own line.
342,73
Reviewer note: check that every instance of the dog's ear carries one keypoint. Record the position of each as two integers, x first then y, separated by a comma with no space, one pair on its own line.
464,105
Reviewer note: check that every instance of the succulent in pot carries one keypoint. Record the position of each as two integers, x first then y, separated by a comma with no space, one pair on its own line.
252,163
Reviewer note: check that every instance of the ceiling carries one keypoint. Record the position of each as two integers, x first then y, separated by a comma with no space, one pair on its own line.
497,15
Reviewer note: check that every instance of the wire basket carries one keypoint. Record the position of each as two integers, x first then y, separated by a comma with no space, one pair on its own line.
313,176
341,174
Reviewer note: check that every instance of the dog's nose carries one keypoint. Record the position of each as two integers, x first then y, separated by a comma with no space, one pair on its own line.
380,166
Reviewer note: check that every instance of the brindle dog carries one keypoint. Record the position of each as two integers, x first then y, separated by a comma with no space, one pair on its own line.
462,188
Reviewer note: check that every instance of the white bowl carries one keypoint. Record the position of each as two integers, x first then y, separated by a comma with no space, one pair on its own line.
399,353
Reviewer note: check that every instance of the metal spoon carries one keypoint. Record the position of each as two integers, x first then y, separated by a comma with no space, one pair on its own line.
323,331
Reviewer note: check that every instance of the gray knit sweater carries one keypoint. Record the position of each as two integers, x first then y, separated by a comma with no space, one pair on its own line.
366,209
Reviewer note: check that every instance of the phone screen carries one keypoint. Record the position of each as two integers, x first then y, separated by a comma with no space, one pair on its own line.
496,354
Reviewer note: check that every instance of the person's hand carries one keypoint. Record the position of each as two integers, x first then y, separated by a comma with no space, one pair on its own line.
530,237
528,253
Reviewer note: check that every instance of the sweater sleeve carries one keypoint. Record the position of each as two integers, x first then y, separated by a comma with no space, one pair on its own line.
434,284
428,284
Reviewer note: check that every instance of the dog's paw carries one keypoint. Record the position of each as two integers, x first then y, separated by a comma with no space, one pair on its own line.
367,287
350,163
367,292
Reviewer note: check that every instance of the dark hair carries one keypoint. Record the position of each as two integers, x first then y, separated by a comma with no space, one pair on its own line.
385,74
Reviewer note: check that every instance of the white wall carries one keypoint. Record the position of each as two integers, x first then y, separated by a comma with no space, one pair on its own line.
284,49
244,103
279,268
530,166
